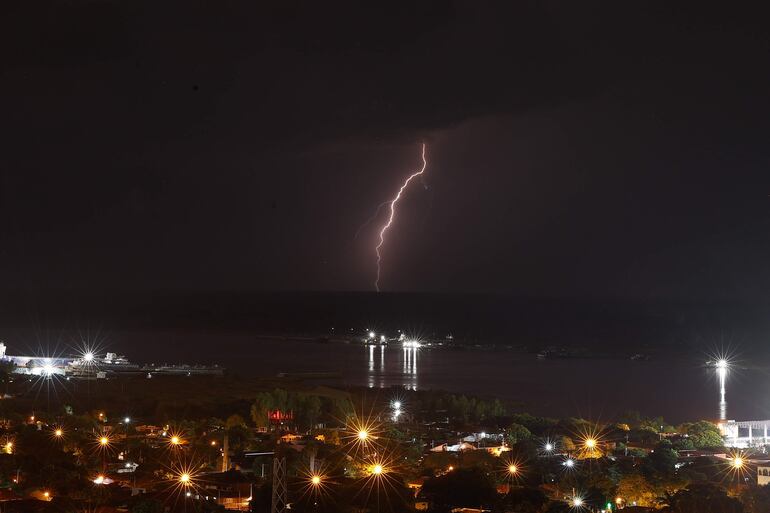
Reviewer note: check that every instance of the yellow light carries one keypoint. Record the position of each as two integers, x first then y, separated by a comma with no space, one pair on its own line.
512,469
738,462
99,479
32,418
618,500
363,435
316,480
213,442
104,440
175,440
577,502
377,469
185,478
590,443
451,468
58,433
46,494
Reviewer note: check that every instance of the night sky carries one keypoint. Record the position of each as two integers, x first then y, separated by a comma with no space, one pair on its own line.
575,149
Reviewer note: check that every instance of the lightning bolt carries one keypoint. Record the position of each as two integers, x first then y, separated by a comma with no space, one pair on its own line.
393,203
371,219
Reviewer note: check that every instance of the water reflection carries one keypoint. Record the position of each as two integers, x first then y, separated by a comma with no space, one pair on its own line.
722,378
371,367
382,366
410,367
382,358
404,373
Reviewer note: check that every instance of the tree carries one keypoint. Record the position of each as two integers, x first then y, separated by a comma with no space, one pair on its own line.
309,410
702,498
517,433
469,487
235,420
566,444
704,434
683,444
534,424
634,488
663,458
756,499
147,506
262,404
523,500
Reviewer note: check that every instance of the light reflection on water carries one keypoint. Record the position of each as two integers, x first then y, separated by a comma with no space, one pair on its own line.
722,379
679,390
382,378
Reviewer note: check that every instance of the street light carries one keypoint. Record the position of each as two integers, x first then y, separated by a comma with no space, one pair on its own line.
48,369
363,435
377,469
316,480
738,462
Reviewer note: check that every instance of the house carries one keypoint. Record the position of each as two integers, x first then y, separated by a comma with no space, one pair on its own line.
763,476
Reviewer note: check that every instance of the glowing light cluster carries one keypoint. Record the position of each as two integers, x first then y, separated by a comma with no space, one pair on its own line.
396,406
363,434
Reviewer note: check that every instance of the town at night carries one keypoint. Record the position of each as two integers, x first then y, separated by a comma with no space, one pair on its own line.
346,257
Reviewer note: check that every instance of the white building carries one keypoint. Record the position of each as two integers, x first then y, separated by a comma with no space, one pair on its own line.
763,476
746,433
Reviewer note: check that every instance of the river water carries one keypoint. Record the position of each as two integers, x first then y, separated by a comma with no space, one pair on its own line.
679,390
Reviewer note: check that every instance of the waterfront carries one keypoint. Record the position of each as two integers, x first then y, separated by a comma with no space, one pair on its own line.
679,389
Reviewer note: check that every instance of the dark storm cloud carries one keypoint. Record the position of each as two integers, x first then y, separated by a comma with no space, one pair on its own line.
238,145
308,71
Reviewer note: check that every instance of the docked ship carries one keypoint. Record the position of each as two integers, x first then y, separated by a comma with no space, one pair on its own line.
182,370
92,366
88,365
